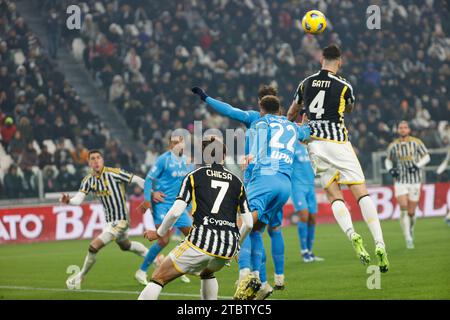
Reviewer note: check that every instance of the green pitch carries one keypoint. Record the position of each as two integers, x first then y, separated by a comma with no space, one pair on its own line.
38,271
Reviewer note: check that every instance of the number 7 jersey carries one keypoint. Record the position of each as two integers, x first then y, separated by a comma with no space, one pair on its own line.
217,195
324,96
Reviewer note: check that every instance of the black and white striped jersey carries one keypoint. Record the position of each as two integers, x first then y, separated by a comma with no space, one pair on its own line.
109,187
404,154
324,96
217,195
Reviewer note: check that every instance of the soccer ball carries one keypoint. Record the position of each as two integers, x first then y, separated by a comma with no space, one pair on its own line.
314,22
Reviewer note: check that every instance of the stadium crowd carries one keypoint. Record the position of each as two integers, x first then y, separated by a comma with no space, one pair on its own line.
146,55
45,127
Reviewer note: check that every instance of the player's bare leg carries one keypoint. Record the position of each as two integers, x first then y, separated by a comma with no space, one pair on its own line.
370,215
141,276
412,206
405,221
165,273
344,219
132,246
209,286
185,230
94,247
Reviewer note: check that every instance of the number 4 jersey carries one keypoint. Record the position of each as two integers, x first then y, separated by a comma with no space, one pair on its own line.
325,96
217,195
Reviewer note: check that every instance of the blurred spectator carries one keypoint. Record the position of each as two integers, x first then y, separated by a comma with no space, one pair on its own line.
29,182
7,131
80,155
45,157
29,157
13,183
117,88
50,182
66,180
53,25
62,154
137,194
17,145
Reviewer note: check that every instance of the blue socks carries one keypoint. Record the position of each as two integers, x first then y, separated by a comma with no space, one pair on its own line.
262,270
311,236
151,255
277,250
245,253
302,229
257,246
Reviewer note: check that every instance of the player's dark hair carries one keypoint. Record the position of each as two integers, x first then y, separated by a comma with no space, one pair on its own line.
266,90
93,151
270,104
210,145
332,52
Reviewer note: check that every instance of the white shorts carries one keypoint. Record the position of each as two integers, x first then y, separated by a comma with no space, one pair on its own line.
187,259
117,230
410,189
335,161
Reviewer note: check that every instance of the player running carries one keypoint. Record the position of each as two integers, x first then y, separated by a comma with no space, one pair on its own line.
326,97
272,147
108,185
160,190
217,195
406,156
245,263
304,200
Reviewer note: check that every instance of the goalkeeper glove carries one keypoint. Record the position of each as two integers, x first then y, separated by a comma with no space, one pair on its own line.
200,92
413,169
394,173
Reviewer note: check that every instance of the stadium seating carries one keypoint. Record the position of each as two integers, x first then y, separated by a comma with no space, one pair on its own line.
41,108
145,55
267,47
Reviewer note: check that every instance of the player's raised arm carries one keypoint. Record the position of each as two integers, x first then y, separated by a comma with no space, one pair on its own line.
296,105
349,98
223,108
303,132
258,142
79,196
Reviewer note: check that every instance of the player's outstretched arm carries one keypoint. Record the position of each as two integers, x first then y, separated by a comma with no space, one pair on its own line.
293,111
76,200
303,132
148,186
223,108
349,107
139,181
